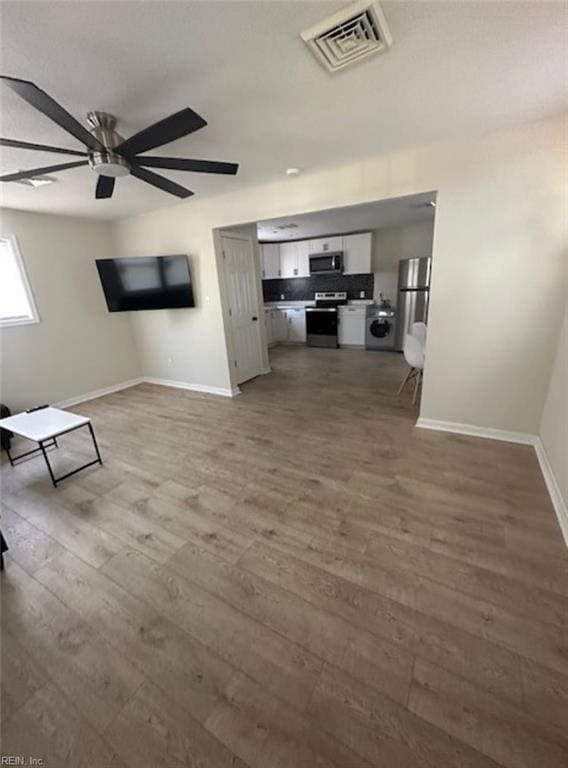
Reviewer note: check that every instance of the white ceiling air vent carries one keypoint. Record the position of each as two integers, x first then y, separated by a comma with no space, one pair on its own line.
349,35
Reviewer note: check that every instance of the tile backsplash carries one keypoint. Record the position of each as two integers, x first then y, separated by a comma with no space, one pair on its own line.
303,288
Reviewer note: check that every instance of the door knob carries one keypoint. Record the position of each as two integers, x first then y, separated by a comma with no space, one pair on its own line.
254,317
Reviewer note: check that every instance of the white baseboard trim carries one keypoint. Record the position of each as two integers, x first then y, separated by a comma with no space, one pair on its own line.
473,431
558,502
98,393
146,380
223,392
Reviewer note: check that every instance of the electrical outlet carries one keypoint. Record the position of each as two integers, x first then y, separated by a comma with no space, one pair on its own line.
361,294
170,362
281,297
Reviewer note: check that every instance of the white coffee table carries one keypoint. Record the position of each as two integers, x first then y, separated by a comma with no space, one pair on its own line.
44,426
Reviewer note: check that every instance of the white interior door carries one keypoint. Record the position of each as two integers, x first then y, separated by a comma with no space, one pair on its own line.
242,296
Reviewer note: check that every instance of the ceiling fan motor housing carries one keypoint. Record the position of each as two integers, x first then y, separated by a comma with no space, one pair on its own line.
107,162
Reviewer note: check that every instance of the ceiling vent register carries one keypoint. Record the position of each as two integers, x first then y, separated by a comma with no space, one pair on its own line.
349,36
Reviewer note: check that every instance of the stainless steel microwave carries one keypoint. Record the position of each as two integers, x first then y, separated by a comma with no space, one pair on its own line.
326,263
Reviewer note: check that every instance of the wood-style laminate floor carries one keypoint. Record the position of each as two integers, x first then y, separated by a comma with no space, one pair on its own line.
294,578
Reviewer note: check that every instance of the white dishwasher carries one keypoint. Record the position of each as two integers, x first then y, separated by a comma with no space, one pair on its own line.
351,329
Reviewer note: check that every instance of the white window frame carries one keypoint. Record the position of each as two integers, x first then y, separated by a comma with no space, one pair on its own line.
8,322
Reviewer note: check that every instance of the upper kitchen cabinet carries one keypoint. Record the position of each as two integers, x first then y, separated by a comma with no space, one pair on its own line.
288,260
270,255
294,259
303,254
357,254
324,244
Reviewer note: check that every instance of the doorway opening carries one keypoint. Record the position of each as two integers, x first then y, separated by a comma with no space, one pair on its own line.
345,290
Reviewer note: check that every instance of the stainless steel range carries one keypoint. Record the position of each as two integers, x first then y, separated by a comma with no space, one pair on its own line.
322,320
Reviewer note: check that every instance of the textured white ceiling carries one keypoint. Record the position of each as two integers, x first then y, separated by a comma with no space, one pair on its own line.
353,218
456,67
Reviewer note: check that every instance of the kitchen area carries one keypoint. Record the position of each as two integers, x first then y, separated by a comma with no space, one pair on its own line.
352,278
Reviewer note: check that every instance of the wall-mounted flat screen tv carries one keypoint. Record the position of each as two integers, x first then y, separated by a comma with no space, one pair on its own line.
150,282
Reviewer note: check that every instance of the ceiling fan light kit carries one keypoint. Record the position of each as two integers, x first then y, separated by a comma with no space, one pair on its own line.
106,162
107,152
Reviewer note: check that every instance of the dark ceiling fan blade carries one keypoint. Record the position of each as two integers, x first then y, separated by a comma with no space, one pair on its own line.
46,105
41,171
182,164
159,181
105,187
170,128
39,147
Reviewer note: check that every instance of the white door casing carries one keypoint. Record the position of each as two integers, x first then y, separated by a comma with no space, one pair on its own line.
242,299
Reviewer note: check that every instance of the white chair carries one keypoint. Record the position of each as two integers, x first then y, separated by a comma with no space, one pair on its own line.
420,331
414,355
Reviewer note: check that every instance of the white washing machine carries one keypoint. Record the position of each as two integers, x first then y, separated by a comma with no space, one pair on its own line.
380,327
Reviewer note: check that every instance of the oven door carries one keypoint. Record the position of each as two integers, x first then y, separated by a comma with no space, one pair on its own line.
321,326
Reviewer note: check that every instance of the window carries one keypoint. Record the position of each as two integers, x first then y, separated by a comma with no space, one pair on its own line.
16,301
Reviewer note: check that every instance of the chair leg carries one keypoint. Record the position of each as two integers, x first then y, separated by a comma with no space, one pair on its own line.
405,381
416,385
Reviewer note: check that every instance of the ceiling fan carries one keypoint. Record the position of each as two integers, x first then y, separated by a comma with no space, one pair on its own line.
107,152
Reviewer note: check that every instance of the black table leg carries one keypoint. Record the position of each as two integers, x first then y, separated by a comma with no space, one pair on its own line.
98,460
53,480
49,443
92,431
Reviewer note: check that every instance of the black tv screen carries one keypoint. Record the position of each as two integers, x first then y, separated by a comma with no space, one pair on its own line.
150,282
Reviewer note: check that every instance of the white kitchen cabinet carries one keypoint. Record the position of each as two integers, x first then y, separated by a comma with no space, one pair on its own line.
357,254
324,244
288,260
295,259
303,257
294,328
270,256
269,324
279,326
296,325
351,329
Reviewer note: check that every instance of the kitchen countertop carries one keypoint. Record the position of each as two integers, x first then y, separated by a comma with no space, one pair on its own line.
288,305
303,304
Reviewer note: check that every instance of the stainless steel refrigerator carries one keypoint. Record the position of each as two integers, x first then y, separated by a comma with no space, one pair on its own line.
413,295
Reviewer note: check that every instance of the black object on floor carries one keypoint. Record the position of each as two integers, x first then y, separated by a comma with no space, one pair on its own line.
5,434
3,548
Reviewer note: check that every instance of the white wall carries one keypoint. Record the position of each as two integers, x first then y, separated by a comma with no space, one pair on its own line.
78,346
390,245
186,345
499,245
554,422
